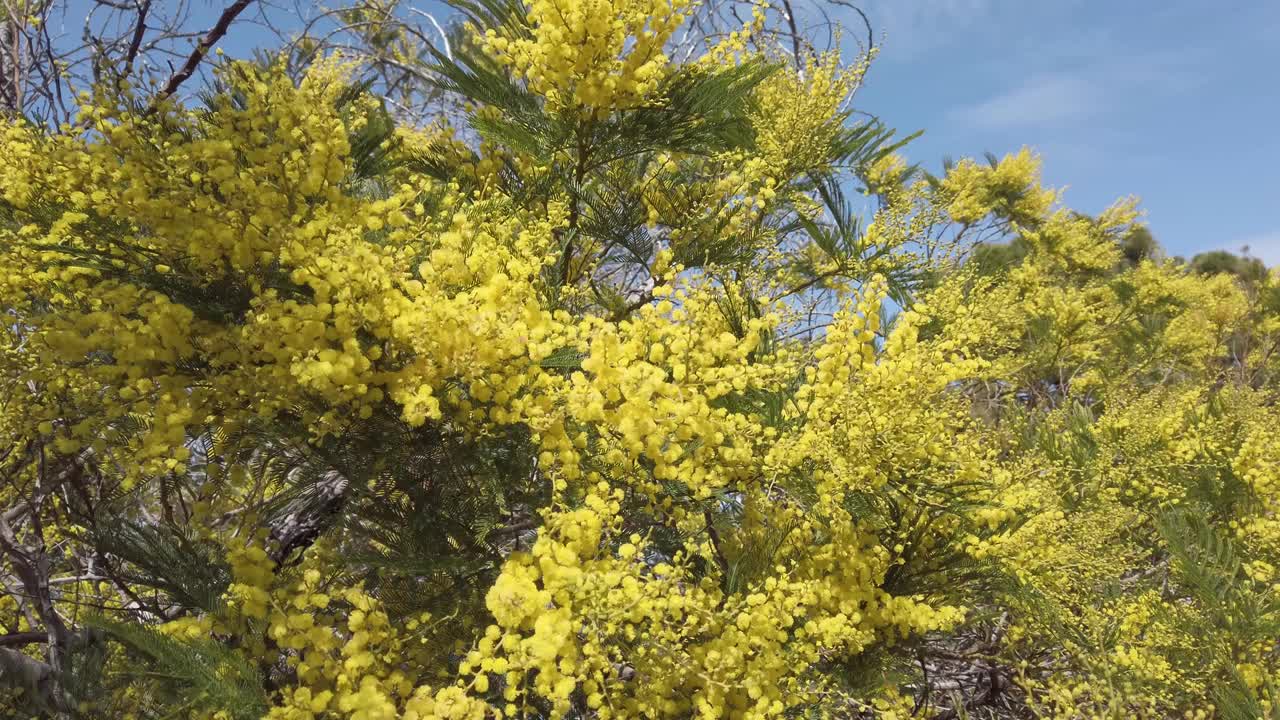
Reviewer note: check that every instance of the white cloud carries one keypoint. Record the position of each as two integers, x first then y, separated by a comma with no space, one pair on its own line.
1042,100
1055,98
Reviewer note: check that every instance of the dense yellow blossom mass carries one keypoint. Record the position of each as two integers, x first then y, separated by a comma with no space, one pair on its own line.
617,412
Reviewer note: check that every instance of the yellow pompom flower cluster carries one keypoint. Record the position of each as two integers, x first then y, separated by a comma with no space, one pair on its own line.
704,467
1011,187
251,569
799,112
598,55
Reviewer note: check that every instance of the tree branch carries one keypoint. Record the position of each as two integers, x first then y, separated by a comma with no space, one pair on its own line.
23,638
31,675
139,30
197,55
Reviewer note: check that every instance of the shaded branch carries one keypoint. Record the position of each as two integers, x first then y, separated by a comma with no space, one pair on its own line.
23,638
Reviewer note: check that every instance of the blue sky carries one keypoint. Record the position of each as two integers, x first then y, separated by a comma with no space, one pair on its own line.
1175,102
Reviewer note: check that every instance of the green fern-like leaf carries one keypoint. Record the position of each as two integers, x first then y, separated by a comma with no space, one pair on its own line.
167,558
191,675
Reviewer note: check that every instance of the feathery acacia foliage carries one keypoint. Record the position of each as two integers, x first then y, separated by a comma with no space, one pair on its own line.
599,407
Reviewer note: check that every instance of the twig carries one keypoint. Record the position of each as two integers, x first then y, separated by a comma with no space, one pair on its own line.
197,55
139,30
714,535
444,38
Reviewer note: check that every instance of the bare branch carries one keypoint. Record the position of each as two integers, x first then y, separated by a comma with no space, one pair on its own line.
140,29
444,38
23,638
197,55
32,676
